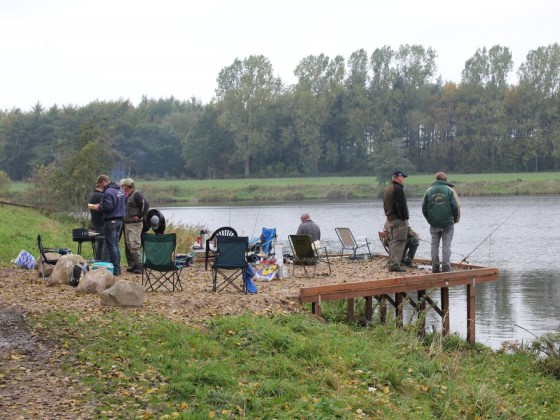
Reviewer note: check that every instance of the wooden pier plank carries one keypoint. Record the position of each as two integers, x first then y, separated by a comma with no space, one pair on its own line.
400,286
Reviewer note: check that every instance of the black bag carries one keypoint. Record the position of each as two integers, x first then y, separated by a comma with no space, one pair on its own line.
78,272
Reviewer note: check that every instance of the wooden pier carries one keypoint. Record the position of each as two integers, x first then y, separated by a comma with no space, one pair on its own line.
383,290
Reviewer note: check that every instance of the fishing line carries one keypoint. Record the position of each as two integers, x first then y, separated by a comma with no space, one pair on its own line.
523,328
256,220
491,233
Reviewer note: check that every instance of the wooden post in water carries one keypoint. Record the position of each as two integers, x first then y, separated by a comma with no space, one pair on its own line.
369,308
445,324
471,311
350,315
399,310
422,311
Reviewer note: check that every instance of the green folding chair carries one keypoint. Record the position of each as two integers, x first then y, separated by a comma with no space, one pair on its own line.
160,267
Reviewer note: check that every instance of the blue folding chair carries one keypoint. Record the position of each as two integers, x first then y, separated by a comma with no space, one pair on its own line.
268,240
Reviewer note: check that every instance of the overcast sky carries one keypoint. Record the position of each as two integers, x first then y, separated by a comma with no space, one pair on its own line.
73,52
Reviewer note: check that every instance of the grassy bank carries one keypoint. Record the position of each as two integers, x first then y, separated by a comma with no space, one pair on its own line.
20,226
342,188
332,188
135,364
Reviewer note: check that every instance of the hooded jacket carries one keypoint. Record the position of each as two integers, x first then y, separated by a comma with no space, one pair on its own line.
112,205
439,206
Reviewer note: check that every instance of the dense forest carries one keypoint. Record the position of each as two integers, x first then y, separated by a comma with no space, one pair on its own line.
345,117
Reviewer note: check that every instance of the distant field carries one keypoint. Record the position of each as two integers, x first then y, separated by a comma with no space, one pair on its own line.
334,188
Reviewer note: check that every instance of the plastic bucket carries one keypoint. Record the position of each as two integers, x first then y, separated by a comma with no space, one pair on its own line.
100,264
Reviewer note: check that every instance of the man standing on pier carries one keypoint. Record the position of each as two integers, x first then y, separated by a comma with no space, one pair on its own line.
396,210
441,210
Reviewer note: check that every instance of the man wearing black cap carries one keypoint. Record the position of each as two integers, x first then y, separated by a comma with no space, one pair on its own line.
396,210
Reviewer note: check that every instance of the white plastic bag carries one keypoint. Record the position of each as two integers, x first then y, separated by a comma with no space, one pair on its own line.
25,260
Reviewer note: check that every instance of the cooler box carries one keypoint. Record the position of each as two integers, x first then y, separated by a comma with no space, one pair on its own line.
100,264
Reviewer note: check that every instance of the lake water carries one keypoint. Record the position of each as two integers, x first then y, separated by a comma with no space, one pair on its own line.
519,235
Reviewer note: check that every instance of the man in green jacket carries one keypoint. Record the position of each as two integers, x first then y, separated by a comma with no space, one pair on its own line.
441,209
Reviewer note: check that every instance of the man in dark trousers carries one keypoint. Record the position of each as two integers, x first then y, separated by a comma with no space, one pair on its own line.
95,197
396,210
112,211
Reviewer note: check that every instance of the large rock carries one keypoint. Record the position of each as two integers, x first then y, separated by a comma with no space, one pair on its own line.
63,269
48,268
123,293
96,281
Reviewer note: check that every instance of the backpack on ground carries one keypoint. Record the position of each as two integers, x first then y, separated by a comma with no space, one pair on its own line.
78,272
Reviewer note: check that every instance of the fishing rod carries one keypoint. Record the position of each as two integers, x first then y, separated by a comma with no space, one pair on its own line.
256,220
430,243
484,240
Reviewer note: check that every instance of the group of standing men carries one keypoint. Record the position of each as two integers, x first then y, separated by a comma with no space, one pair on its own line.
440,207
117,208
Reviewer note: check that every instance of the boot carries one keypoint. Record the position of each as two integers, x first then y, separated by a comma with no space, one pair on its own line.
408,262
137,269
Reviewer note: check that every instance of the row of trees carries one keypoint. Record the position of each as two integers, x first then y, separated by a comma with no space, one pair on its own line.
357,116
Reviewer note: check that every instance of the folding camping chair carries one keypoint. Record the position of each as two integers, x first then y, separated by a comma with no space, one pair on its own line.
160,267
223,231
306,253
49,256
230,262
349,242
264,246
268,241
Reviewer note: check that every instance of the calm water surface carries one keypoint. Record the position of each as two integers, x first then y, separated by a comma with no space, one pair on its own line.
525,248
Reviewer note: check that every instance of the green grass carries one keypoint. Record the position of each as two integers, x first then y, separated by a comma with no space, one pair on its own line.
342,188
290,367
20,227
333,188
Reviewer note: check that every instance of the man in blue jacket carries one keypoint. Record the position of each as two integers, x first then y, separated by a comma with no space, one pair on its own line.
112,211
441,210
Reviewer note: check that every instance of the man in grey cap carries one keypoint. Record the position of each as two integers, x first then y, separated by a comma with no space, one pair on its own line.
396,210
135,210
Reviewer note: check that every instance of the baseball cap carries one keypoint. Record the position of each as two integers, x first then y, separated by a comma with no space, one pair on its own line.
399,173
154,221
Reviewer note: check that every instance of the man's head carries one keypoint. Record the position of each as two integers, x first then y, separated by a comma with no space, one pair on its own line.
399,176
304,217
127,184
102,181
441,176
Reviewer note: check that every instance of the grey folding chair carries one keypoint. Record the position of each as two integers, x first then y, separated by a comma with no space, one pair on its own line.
349,242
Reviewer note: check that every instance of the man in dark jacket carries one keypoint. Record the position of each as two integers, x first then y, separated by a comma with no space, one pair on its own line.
112,211
309,227
441,210
396,210
95,197
136,208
